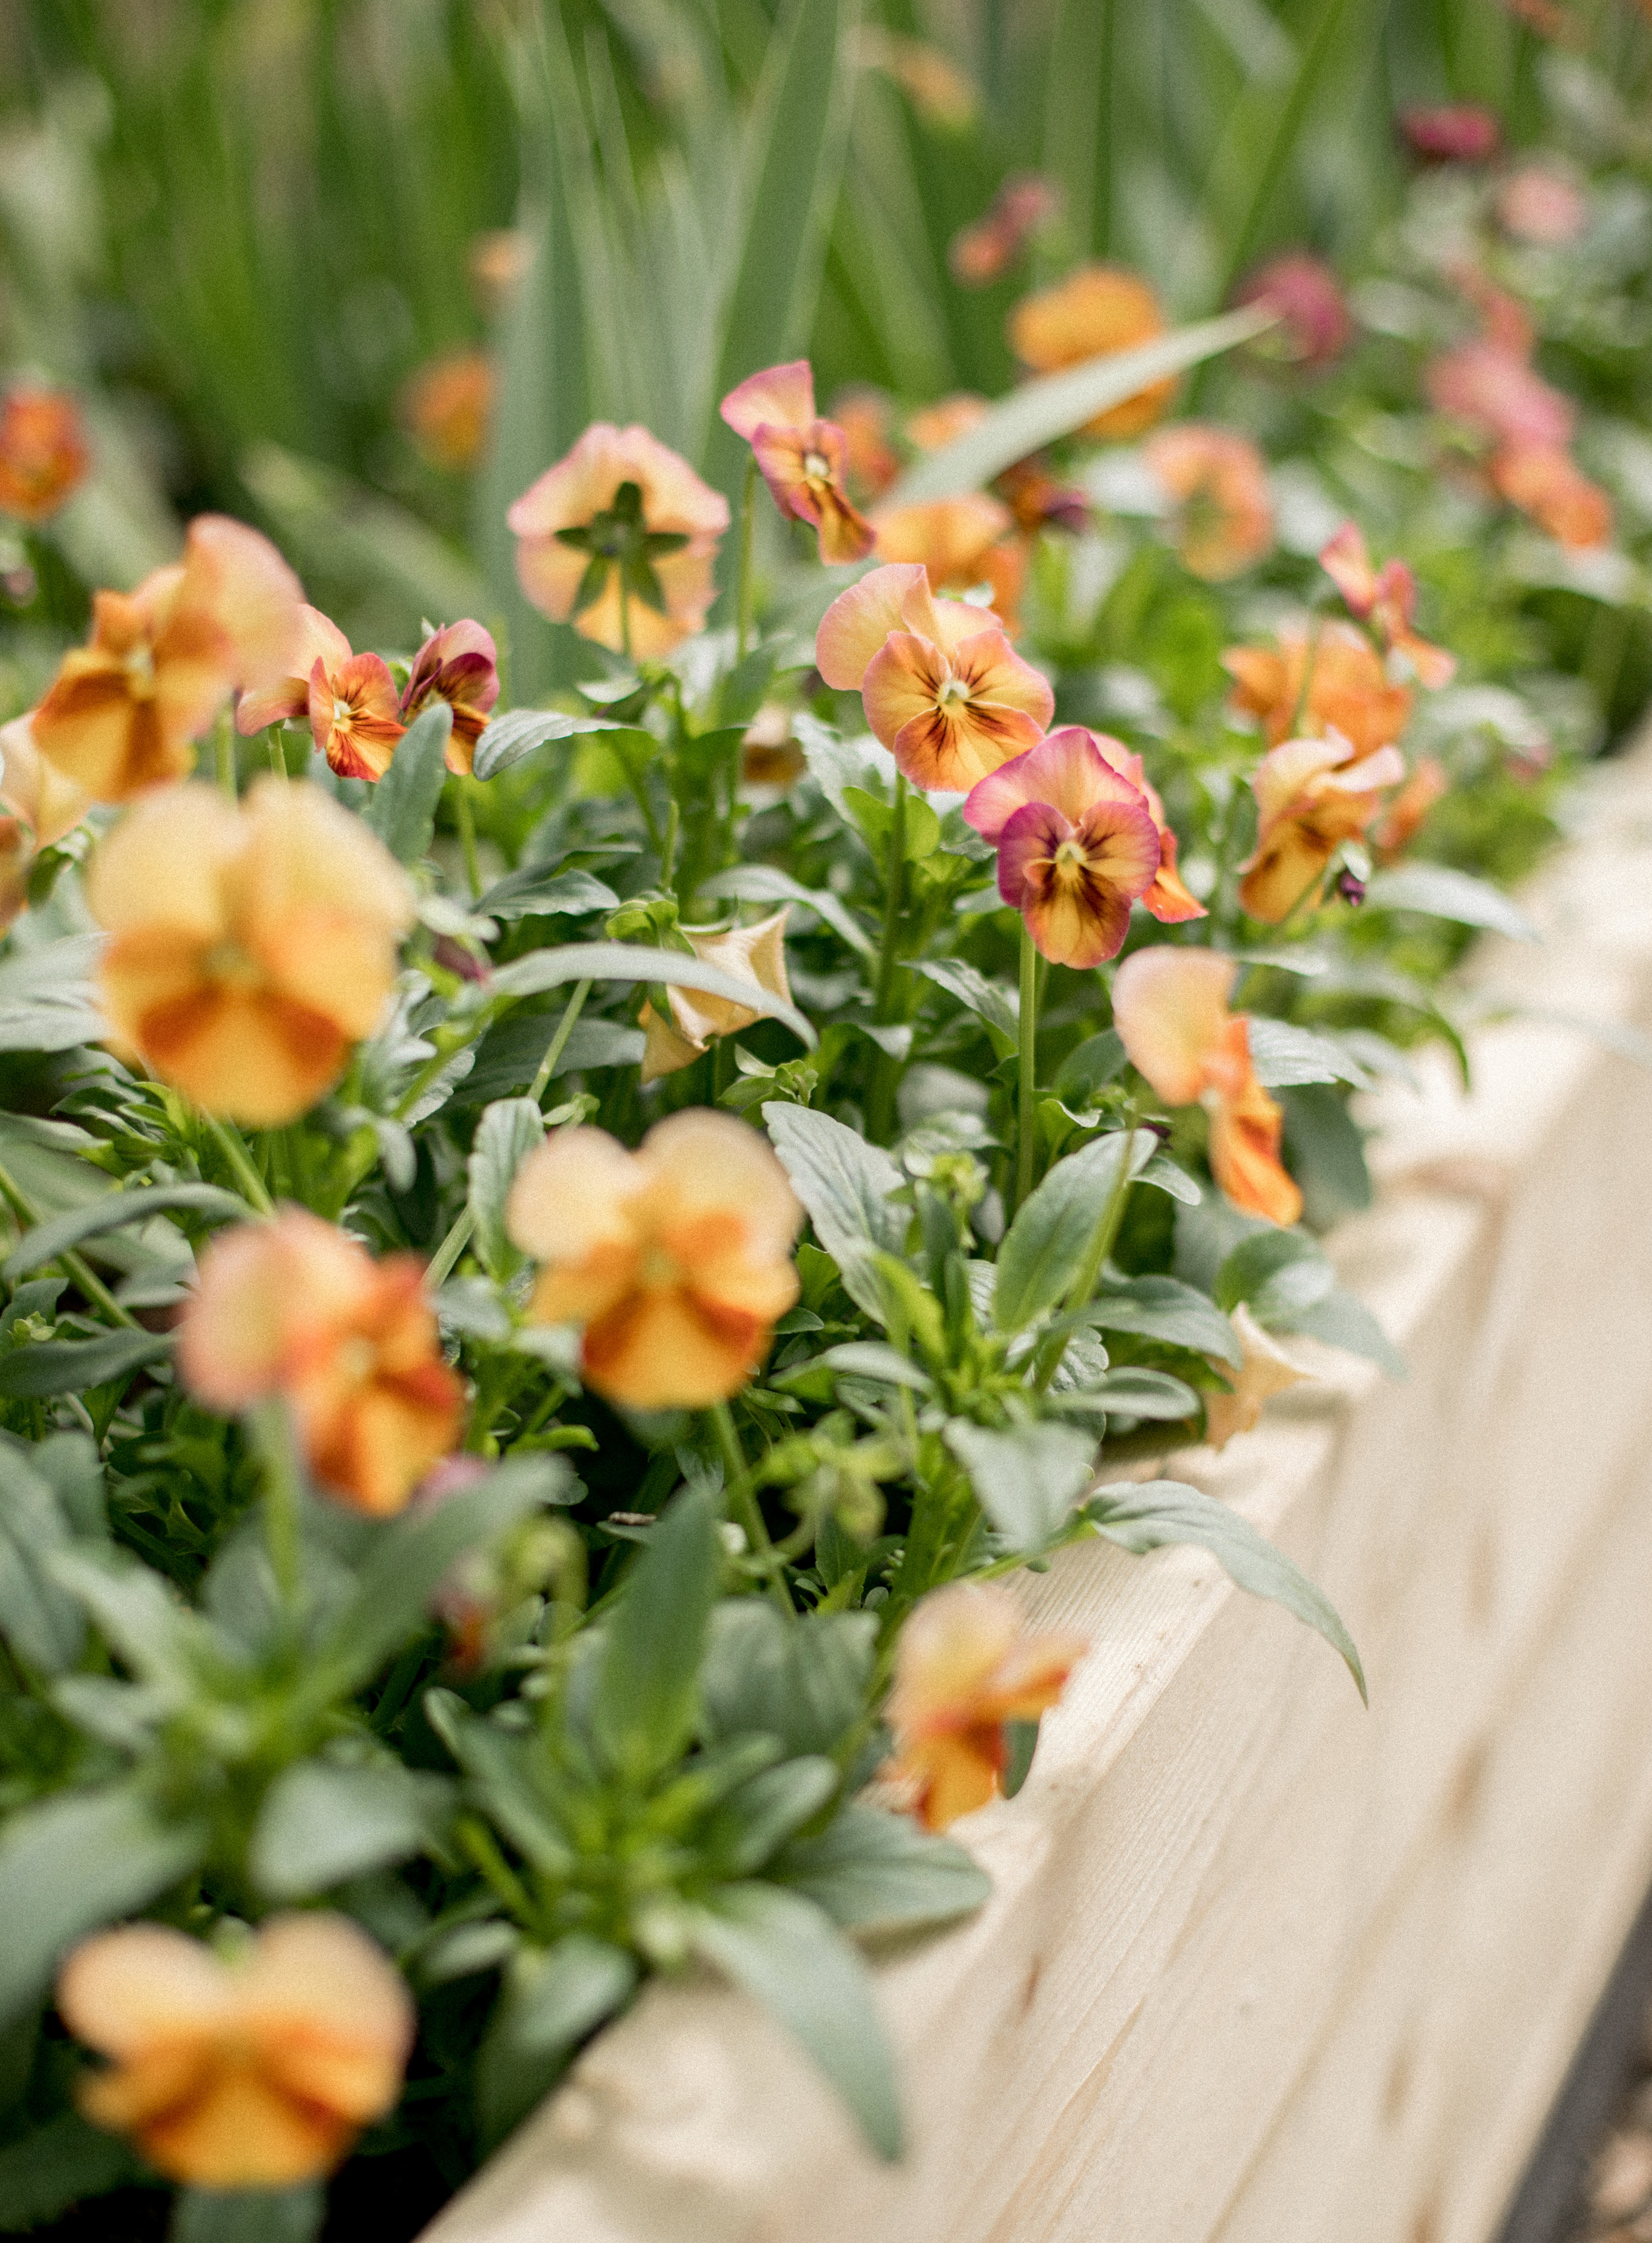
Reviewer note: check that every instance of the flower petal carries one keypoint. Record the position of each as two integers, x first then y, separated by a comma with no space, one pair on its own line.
782,395
1171,1010
855,627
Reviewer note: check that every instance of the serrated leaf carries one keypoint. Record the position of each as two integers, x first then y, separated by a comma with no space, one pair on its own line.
112,1212
1026,1479
990,1000
509,1129
505,740
1443,892
402,808
877,1872
848,1187
622,961
646,1698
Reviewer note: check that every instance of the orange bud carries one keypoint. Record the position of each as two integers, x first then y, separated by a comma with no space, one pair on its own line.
43,455
446,406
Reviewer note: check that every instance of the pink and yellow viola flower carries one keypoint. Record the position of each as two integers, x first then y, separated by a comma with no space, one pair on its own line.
963,1667
1331,680
1312,798
1171,1010
804,459
1169,901
1546,484
460,665
349,699
1221,517
1386,599
943,689
961,542
1076,843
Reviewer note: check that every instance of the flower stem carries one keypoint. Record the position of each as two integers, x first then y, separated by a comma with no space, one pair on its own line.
555,1048
276,751
440,1267
224,753
228,1138
74,1266
742,1497
1107,1229
625,619
745,594
467,836
880,1097
1027,1083
272,1430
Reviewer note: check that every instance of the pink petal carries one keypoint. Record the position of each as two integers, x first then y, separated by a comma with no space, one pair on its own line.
1170,1009
855,626
782,395
1345,560
1068,768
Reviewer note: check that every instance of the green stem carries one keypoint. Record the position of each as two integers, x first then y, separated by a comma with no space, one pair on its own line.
224,753
272,1430
745,595
228,1138
880,1094
1107,1227
277,753
441,1265
668,848
555,1048
467,836
74,1266
625,619
742,1498
1027,1084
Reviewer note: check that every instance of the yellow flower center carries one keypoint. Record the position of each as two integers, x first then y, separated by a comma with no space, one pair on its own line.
141,671
951,690
817,467
658,1270
1070,860
343,712
234,968
356,1361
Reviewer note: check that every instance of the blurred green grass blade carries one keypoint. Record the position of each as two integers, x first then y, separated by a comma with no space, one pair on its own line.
1078,150
1040,411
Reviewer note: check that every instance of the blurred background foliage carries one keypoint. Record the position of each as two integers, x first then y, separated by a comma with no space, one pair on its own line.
242,228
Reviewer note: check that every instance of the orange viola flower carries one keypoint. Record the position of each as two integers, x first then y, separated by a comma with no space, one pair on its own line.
1386,599
943,689
1169,899
1218,484
40,806
254,2071
350,700
1544,482
1077,845
1171,1010
446,406
963,1667
676,1259
804,460
934,427
252,943
751,953
123,709
459,665
295,1308
44,453
1094,312
961,542
1312,799
1402,821
1333,681
620,509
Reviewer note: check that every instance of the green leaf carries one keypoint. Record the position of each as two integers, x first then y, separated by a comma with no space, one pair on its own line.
77,1863
848,1187
70,1366
1037,412
402,808
803,1683
248,2215
540,892
646,1698
869,1359
1091,1066
1327,1152
552,1998
507,740
1164,1309
1132,1392
1143,1516
66,2161
767,883
786,1953
1342,1320
624,961
49,997
1444,893
1027,1478
320,1825
140,1613
40,1619
112,1212
755,1820
871,1871
1285,1053
1048,1242
1278,1272
989,1001
509,1129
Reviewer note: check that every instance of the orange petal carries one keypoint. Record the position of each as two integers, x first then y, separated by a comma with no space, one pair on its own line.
858,623
236,580
1171,1010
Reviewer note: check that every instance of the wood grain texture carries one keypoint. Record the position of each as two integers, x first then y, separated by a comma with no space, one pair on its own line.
1260,1967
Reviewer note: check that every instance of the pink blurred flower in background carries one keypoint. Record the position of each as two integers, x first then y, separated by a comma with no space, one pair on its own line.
1538,204
1315,324
1451,132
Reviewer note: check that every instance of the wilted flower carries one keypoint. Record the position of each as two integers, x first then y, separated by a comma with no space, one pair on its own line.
943,689
44,453
295,1308
1312,799
255,2072
751,953
620,509
39,805
1330,681
1537,204
804,459
1544,482
1386,599
1451,132
985,251
446,406
1402,821
1171,1010
460,665
1267,1370
1486,385
1315,327
863,415
769,753
123,709
961,542
1096,311
676,1259
963,1667
1219,483
1077,845
252,943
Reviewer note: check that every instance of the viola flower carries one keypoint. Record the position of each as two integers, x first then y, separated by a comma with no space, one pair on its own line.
863,414
446,406
1451,132
285,700
1386,599
934,427
1403,820
295,1308
804,460
1544,482
676,1259
1077,845
1333,681
43,453
1169,901
1171,1010
1538,205
257,2071
1488,385
1312,799
620,508
123,709
1267,1370
963,1667
1217,482
460,665
350,700
1315,325
961,542
1094,312
980,253
41,806
751,953
252,942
